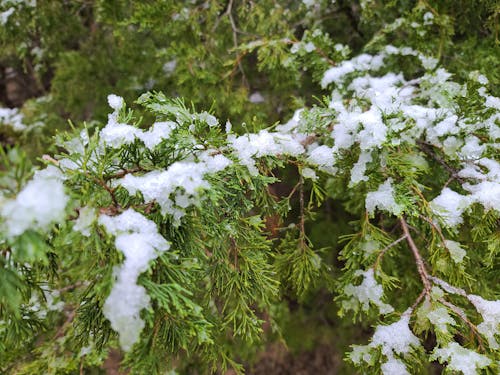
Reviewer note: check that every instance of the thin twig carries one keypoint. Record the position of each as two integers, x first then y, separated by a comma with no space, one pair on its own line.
419,298
462,316
302,213
435,227
381,254
425,148
234,28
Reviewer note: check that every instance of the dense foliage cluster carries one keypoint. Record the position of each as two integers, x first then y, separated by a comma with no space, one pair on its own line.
221,175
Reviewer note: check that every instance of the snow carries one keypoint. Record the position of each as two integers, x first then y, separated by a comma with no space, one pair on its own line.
490,311
461,359
472,149
440,318
309,173
487,193
321,156
251,146
86,218
158,132
116,102
369,291
117,135
169,67
396,338
184,178
138,239
39,205
457,253
360,353
4,16
394,366
450,206
359,169
374,131
383,199
256,97
13,118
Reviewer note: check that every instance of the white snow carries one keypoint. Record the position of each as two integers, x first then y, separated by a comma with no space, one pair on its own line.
440,318
87,215
358,170
4,16
490,311
394,366
116,102
383,199
487,193
13,118
360,353
39,205
256,97
251,146
396,338
461,359
158,132
322,156
117,135
309,173
457,252
369,291
450,206
185,179
138,239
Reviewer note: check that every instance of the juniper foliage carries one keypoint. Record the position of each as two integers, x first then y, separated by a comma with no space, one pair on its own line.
332,170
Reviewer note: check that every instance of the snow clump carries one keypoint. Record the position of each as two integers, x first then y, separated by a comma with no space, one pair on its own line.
138,239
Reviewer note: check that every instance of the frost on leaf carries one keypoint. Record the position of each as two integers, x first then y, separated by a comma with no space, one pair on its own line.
138,239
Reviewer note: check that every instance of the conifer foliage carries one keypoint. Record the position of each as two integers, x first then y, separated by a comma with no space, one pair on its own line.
233,169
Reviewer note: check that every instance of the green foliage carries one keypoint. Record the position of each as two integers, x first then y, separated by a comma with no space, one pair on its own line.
265,241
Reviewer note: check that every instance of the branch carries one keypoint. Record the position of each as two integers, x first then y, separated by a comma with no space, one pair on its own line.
424,275
425,148
381,254
462,316
302,214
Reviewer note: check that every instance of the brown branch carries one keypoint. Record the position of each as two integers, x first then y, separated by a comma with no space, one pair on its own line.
426,149
462,316
122,173
424,275
419,298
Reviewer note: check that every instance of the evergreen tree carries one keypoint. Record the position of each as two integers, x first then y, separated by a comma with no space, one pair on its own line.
238,173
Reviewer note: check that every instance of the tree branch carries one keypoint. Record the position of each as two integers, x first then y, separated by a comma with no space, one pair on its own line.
424,275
